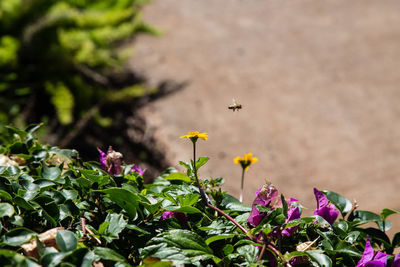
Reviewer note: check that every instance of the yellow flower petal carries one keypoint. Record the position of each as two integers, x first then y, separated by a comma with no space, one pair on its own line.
237,160
203,136
254,160
196,134
246,161
248,156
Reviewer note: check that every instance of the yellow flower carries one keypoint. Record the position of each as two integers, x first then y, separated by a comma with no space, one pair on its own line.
246,161
194,135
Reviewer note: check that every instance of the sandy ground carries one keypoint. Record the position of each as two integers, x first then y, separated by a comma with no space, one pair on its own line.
318,81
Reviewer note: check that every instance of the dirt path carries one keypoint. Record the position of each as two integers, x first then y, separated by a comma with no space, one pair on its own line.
319,82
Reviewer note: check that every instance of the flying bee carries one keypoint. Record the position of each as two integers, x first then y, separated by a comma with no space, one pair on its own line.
235,106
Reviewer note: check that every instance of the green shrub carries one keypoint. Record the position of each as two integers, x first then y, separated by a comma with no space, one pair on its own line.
56,58
57,210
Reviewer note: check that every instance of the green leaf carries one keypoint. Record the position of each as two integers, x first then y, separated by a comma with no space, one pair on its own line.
319,258
177,176
17,220
103,226
52,259
385,225
150,206
188,166
321,221
343,204
387,212
156,262
50,209
231,203
250,253
123,198
44,184
185,239
347,248
88,259
219,237
352,237
284,205
6,210
228,249
84,183
304,220
138,229
17,236
108,254
365,217
21,133
188,200
117,223
162,251
201,161
69,194
378,236
295,254
12,258
5,196
33,127
11,171
50,173
22,203
95,176
66,240
186,209
396,240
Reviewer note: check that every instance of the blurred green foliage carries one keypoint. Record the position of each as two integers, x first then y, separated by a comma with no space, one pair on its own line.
57,57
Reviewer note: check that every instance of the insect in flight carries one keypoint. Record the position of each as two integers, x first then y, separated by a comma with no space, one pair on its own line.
235,106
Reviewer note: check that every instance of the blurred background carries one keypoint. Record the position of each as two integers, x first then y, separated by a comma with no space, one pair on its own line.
319,85
62,63
318,82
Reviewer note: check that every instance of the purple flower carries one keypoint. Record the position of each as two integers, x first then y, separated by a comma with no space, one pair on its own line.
371,258
103,159
180,216
137,169
396,261
266,196
110,162
293,214
327,211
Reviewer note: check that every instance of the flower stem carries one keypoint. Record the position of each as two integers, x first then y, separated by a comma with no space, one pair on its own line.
241,187
229,218
202,194
277,253
262,252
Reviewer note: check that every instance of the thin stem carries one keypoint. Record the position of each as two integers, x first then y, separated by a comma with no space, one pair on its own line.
262,252
274,250
279,240
241,187
355,206
202,194
194,163
229,218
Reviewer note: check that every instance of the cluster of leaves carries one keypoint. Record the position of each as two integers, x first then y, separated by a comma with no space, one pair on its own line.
56,57
118,220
